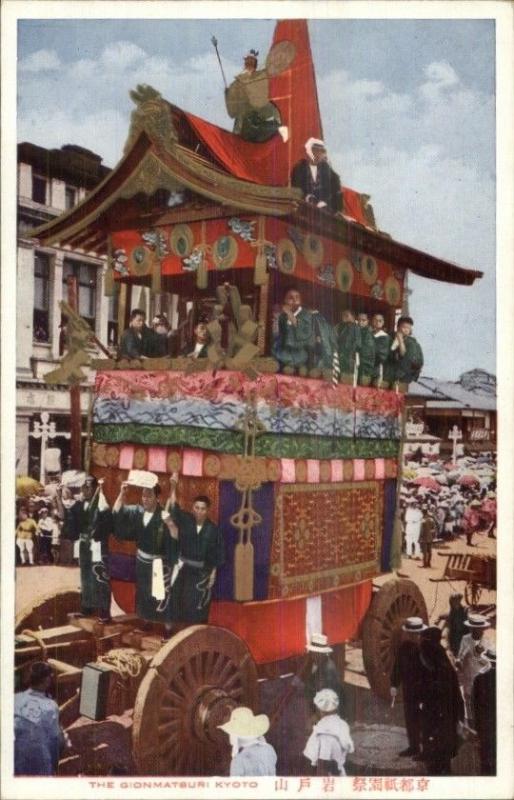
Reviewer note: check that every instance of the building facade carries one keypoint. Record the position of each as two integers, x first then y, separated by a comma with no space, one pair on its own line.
50,182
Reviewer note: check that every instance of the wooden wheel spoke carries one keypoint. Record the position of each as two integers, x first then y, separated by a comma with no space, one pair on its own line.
172,698
189,675
179,682
209,660
225,672
233,678
217,666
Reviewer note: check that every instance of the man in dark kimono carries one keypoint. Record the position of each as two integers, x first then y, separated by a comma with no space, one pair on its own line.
483,698
348,337
407,674
320,185
442,706
382,372
89,522
201,551
295,341
151,527
367,350
137,340
406,352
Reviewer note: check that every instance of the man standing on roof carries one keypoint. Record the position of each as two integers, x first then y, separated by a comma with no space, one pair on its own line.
256,119
320,185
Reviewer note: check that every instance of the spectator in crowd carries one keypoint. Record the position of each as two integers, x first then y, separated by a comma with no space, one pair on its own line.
251,753
330,741
38,738
427,536
470,658
471,521
44,532
413,520
322,672
25,533
407,674
441,706
483,699
56,538
454,620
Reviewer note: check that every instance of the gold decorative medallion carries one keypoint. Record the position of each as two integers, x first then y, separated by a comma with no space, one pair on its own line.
393,291
112,456
224,252
286,256
140,260
313,250
369,270
181,241
174,462
344,275
140,458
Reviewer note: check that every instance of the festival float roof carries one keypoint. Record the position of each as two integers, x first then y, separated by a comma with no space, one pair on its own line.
171,149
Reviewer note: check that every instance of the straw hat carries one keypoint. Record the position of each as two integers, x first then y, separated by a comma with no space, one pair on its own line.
490,654
326,700
476,621
245,724
475,503
319,644
414,625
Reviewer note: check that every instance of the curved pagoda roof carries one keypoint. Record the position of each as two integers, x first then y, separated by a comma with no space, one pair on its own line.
171,149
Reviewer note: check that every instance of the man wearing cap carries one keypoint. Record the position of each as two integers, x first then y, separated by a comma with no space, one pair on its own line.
151,527
38,738
321,670
407,674
330,740
251,753
320,185
89,522
483,699
201,551
470,658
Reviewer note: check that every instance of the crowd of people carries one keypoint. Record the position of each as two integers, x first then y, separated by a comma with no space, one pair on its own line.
448,695
454,509
38,533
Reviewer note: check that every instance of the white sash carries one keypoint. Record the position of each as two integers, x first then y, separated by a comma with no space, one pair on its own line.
158,591
76,548
96,551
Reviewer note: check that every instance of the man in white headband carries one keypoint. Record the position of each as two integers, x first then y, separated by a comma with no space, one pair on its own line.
319,183
330,740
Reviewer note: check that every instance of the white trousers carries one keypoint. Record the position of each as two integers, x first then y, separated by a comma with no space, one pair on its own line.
26,547
412,539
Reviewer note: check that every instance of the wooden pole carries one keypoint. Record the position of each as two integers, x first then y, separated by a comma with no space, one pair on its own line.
75,415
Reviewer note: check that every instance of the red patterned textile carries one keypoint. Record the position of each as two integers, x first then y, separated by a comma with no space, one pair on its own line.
324,536
283,390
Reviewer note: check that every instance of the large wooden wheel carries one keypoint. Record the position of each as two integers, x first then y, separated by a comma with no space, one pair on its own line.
48,611
191,687
396,600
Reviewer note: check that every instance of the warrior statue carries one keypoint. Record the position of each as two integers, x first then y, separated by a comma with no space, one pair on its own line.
256,118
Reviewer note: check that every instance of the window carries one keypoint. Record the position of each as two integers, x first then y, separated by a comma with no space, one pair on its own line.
112,324
39,189
41,314
86,279
71,197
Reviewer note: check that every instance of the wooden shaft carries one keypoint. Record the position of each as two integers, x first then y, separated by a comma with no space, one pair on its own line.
75,415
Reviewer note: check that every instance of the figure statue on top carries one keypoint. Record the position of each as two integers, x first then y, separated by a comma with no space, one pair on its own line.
256,119
320,185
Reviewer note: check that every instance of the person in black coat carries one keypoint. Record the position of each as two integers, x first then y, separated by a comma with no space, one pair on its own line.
483,698
137,340
442,706
406,673
316,178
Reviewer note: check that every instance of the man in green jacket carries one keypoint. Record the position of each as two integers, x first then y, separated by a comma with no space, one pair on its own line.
383,369
367,350
406,351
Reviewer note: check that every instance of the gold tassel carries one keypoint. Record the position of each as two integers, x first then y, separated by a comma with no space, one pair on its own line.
201,273
156,287
260,274
109,272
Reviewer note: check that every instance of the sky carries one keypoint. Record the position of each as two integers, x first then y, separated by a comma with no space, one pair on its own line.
408,111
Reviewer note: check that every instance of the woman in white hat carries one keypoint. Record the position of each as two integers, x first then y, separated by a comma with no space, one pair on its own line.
330,740
251,753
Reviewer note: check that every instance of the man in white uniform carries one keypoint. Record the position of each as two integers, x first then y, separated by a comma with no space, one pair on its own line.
413,520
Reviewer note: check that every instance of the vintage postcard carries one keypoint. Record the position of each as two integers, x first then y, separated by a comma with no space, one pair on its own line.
257,303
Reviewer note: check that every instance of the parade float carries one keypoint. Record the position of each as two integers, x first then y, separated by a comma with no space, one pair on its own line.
301,470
